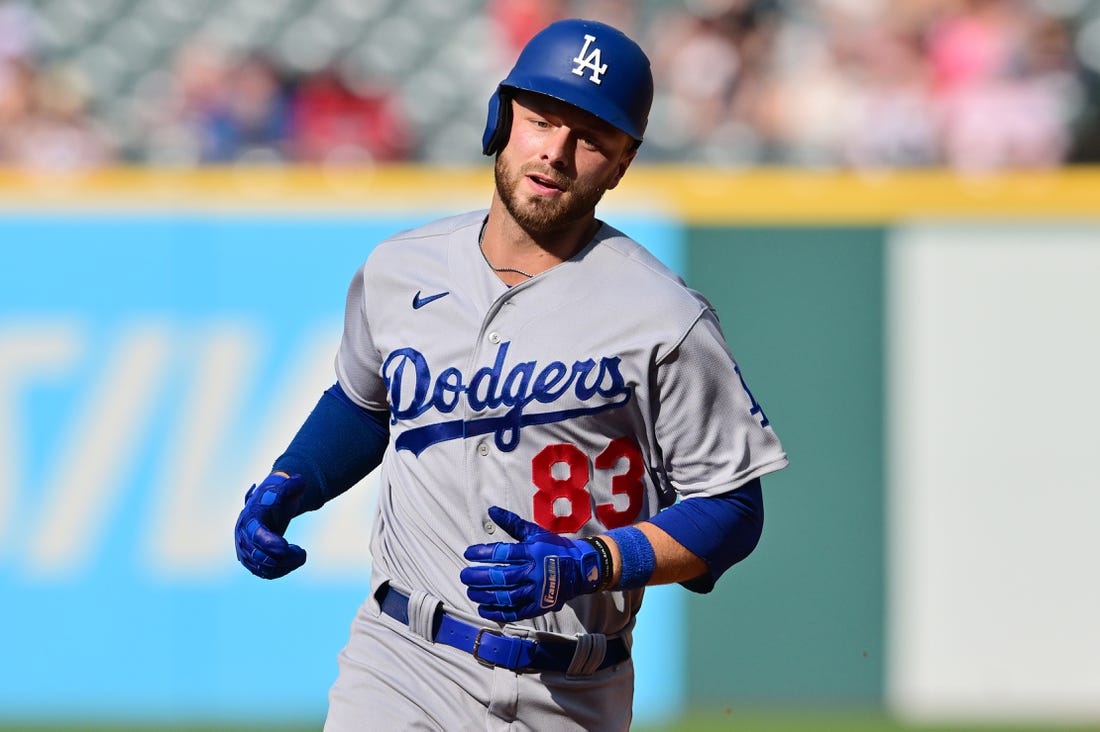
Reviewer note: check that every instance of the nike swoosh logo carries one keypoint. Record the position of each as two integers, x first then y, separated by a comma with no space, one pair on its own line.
419,302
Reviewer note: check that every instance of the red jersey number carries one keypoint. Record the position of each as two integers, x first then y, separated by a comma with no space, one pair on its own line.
561,473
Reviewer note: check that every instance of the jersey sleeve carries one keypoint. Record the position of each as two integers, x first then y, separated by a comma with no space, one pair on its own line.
713,434
358,361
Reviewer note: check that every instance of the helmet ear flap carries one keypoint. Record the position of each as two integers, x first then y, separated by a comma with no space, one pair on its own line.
499,122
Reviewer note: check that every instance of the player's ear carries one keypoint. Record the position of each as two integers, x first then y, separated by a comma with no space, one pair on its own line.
624,162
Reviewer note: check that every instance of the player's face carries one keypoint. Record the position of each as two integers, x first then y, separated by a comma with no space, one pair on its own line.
558,162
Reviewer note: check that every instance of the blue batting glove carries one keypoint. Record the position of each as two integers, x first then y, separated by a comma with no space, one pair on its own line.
268,509
535,576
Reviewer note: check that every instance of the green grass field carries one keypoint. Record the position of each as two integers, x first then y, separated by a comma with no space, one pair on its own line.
711,722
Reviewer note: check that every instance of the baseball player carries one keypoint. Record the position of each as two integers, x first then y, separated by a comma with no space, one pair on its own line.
539,392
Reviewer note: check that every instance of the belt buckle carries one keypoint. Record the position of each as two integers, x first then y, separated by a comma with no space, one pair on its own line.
493,664
477,644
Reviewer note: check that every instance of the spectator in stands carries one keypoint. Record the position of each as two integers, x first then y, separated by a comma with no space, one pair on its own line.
253,121
177,118
1003,104
699,65
335,124
714,60
810,91
16,94
516,21
44,125
893,122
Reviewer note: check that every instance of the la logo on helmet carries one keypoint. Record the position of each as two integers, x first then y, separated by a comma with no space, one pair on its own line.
590,61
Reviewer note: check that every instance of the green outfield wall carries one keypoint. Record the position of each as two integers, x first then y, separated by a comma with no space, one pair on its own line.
802,618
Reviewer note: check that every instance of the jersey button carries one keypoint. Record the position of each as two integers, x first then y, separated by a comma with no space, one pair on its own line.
482,449
489,527
495,337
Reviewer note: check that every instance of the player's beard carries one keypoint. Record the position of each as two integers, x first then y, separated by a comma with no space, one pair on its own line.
537,215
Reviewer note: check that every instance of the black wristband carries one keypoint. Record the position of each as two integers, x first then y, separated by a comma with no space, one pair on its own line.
605,561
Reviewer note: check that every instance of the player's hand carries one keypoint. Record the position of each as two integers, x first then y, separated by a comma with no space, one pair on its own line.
535,576
268,509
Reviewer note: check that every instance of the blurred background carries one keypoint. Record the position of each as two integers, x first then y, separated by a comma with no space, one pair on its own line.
894,207
822,83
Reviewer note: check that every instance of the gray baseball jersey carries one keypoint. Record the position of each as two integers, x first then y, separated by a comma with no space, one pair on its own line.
584,399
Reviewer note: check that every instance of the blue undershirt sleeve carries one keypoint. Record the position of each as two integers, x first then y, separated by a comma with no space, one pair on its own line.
336,447
721,530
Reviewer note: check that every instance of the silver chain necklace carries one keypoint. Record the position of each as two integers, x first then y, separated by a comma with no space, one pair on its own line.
491,265
504,269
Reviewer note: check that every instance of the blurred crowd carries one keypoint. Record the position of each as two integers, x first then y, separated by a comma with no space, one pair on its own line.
970,84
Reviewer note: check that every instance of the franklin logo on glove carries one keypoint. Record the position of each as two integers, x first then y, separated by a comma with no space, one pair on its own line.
550,583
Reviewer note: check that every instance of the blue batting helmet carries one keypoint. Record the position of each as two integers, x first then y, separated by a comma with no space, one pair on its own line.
583,62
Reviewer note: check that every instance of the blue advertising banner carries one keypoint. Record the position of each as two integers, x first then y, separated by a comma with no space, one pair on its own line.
151,367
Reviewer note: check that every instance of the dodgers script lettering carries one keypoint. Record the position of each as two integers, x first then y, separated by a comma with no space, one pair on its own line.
589,387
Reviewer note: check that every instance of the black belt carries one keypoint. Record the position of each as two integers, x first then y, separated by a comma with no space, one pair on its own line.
492,647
